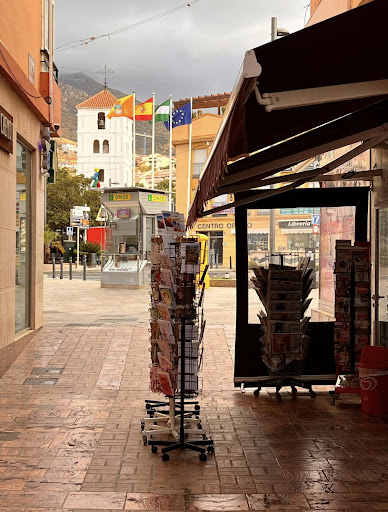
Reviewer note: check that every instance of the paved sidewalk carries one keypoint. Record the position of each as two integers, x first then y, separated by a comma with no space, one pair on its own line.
76,445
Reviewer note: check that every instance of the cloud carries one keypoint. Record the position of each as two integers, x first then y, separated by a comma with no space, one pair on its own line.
197,50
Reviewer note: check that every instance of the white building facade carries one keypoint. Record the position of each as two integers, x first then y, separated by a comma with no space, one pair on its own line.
104,143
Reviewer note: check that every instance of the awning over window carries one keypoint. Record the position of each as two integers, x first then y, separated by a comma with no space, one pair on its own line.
333,72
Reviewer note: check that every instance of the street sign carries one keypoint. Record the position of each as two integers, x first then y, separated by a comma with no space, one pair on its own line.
315,218
79,217
316,229
69,231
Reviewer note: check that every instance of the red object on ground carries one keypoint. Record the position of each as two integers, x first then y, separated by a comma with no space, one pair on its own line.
97,235
373,371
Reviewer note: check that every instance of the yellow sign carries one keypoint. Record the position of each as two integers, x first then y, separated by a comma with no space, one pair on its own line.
119,197
157,198
23,197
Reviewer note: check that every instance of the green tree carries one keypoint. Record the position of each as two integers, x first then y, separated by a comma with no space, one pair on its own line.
164,185
70,190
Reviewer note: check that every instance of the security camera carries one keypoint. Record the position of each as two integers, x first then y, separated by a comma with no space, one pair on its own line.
56,127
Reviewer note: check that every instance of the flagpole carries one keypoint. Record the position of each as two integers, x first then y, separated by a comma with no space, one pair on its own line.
170,155
153,142
134,141
189,169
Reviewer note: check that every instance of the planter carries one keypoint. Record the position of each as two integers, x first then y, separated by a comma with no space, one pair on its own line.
91,259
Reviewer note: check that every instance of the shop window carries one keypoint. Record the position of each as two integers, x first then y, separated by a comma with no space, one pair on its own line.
96,146
101,121
23,223
105,146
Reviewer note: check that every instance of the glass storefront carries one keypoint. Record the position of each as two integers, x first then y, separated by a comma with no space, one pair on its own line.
22,277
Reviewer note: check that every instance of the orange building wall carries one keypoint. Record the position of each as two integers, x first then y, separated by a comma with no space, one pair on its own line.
323,9
21,32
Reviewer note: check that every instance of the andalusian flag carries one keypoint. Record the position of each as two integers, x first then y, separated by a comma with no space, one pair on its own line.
143,112
123,108
162,113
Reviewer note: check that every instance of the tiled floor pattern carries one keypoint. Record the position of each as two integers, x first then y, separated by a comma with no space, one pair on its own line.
78,445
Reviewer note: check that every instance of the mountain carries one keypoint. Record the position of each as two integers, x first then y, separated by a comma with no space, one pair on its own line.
77,87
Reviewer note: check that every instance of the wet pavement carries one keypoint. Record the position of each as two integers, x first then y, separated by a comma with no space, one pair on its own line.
76,445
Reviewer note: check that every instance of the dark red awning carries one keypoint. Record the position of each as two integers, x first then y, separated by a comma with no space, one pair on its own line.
348,49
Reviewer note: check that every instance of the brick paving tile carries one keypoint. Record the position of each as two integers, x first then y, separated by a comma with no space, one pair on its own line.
78,446
96,500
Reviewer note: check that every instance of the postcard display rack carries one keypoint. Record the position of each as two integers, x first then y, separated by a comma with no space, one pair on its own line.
283,291
177,293
352,313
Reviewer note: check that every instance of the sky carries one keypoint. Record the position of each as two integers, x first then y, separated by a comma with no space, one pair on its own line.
194,51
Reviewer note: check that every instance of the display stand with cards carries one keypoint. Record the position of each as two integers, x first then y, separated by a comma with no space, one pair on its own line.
177,328
352,313
284,291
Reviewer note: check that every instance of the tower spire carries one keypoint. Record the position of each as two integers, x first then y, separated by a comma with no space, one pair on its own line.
106,72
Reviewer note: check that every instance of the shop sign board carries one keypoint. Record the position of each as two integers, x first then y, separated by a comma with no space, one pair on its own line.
295,224
157,198
6,131
296,211
226,211
152,203
120,197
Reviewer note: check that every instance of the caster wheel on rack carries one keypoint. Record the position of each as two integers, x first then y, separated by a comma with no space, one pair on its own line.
151,414
294,391
200,426
278,397
202,456
148,406
312,393
210,449
197,407
204,437
142,425
165,457
154,449
257,391
145,440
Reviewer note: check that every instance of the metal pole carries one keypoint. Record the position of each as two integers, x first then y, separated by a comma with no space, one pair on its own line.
70,268
216,259
134,141
53,259
183,372
189,166
153,143
230,262
84,265
144,144
170,158
272,225
77,247
61,268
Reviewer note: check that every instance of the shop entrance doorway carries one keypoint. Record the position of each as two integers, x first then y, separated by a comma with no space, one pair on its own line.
380,298
216,247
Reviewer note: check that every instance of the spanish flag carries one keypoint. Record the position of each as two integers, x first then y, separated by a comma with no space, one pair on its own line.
143,112
123,108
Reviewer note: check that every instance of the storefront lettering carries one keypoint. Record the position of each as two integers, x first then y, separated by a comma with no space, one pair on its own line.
119,197
229,225
6,131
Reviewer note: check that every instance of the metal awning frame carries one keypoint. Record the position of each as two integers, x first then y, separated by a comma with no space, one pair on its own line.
306,176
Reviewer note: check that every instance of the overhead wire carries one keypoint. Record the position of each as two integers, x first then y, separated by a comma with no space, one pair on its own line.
81,42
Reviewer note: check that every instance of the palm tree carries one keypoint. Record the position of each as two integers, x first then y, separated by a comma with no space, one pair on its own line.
51,240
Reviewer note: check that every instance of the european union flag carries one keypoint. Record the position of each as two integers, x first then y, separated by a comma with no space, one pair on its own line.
180,117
